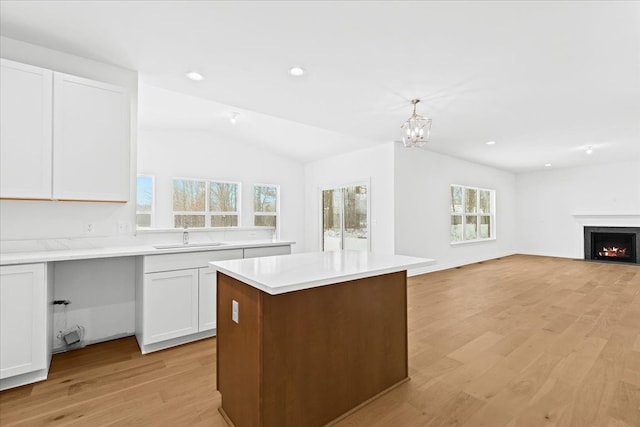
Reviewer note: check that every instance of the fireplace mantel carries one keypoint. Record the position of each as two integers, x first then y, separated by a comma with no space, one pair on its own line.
632,216
605,220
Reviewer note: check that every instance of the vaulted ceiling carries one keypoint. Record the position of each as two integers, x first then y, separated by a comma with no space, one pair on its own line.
545,80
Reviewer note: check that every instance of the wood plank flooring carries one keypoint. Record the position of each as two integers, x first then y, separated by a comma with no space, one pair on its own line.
518,341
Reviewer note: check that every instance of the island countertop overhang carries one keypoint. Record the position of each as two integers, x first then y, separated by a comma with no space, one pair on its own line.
287,273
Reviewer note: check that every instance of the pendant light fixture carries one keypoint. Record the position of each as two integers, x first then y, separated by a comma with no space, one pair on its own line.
415,131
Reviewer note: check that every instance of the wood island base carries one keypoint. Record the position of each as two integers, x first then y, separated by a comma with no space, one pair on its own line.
309,357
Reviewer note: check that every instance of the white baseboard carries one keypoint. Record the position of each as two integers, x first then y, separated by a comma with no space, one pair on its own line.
547,254
446,266
20,380
149,348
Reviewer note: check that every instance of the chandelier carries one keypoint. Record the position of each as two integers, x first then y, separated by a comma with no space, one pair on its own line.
415,131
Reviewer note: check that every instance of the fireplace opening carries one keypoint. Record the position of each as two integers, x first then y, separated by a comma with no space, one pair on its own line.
612,244
613,247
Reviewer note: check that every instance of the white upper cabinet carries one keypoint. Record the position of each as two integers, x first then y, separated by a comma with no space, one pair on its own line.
25,131
90,140
62,137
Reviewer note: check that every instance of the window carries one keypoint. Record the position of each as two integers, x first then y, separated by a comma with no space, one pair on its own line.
472,214
265,205
344,218
189,203
224,204
203,203
144,202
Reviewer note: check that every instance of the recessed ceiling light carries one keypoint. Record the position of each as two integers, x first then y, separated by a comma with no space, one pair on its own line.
194,75
296,71
589,150
547,165
490,143
234,117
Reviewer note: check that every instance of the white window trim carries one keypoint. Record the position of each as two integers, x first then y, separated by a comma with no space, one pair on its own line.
152,212
276,213
491,215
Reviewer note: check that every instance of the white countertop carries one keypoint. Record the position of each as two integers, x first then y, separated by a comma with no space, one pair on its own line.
286,273
9,258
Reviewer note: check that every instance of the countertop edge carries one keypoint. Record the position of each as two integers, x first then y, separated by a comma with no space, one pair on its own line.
316,283
17,258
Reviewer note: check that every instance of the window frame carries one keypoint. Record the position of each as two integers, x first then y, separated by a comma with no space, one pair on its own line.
208,213
478,215
152,212
261,213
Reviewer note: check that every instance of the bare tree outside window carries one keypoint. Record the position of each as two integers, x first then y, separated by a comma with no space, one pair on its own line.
332,219
144,201
189,203
265,206
223,204
189,195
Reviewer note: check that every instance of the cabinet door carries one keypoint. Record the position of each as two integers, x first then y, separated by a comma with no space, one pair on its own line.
90,140
207,311
170,305
25,133
23,341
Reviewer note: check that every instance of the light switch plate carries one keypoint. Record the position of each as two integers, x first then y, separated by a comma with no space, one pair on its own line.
234,311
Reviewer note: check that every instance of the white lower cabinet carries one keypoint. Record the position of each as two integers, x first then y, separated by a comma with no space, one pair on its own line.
170,305
176,298
176,295
25,322
207,299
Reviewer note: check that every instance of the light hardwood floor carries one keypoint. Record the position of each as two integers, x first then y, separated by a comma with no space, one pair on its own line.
518,341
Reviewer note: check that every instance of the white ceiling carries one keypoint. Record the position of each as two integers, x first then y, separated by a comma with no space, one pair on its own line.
543,79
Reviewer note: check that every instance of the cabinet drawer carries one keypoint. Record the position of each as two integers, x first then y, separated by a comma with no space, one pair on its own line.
167,262
267,251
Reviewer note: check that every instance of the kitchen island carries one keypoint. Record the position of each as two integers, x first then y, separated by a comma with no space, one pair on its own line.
304,339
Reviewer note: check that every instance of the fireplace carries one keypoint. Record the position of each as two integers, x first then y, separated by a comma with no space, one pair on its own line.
612,244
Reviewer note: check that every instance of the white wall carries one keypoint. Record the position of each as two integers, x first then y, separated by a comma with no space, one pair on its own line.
45,220
548,200
102,296
422,205
203,154
374,164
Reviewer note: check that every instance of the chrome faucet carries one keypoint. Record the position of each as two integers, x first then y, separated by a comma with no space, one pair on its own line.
185,235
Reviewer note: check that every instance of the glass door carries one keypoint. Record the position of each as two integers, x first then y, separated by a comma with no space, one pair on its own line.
345,212
332,219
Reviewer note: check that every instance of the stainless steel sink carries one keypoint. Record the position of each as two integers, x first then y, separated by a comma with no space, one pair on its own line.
189,245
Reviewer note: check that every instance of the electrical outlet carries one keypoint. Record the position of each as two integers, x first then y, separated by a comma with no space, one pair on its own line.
90,228
234,311
123,227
